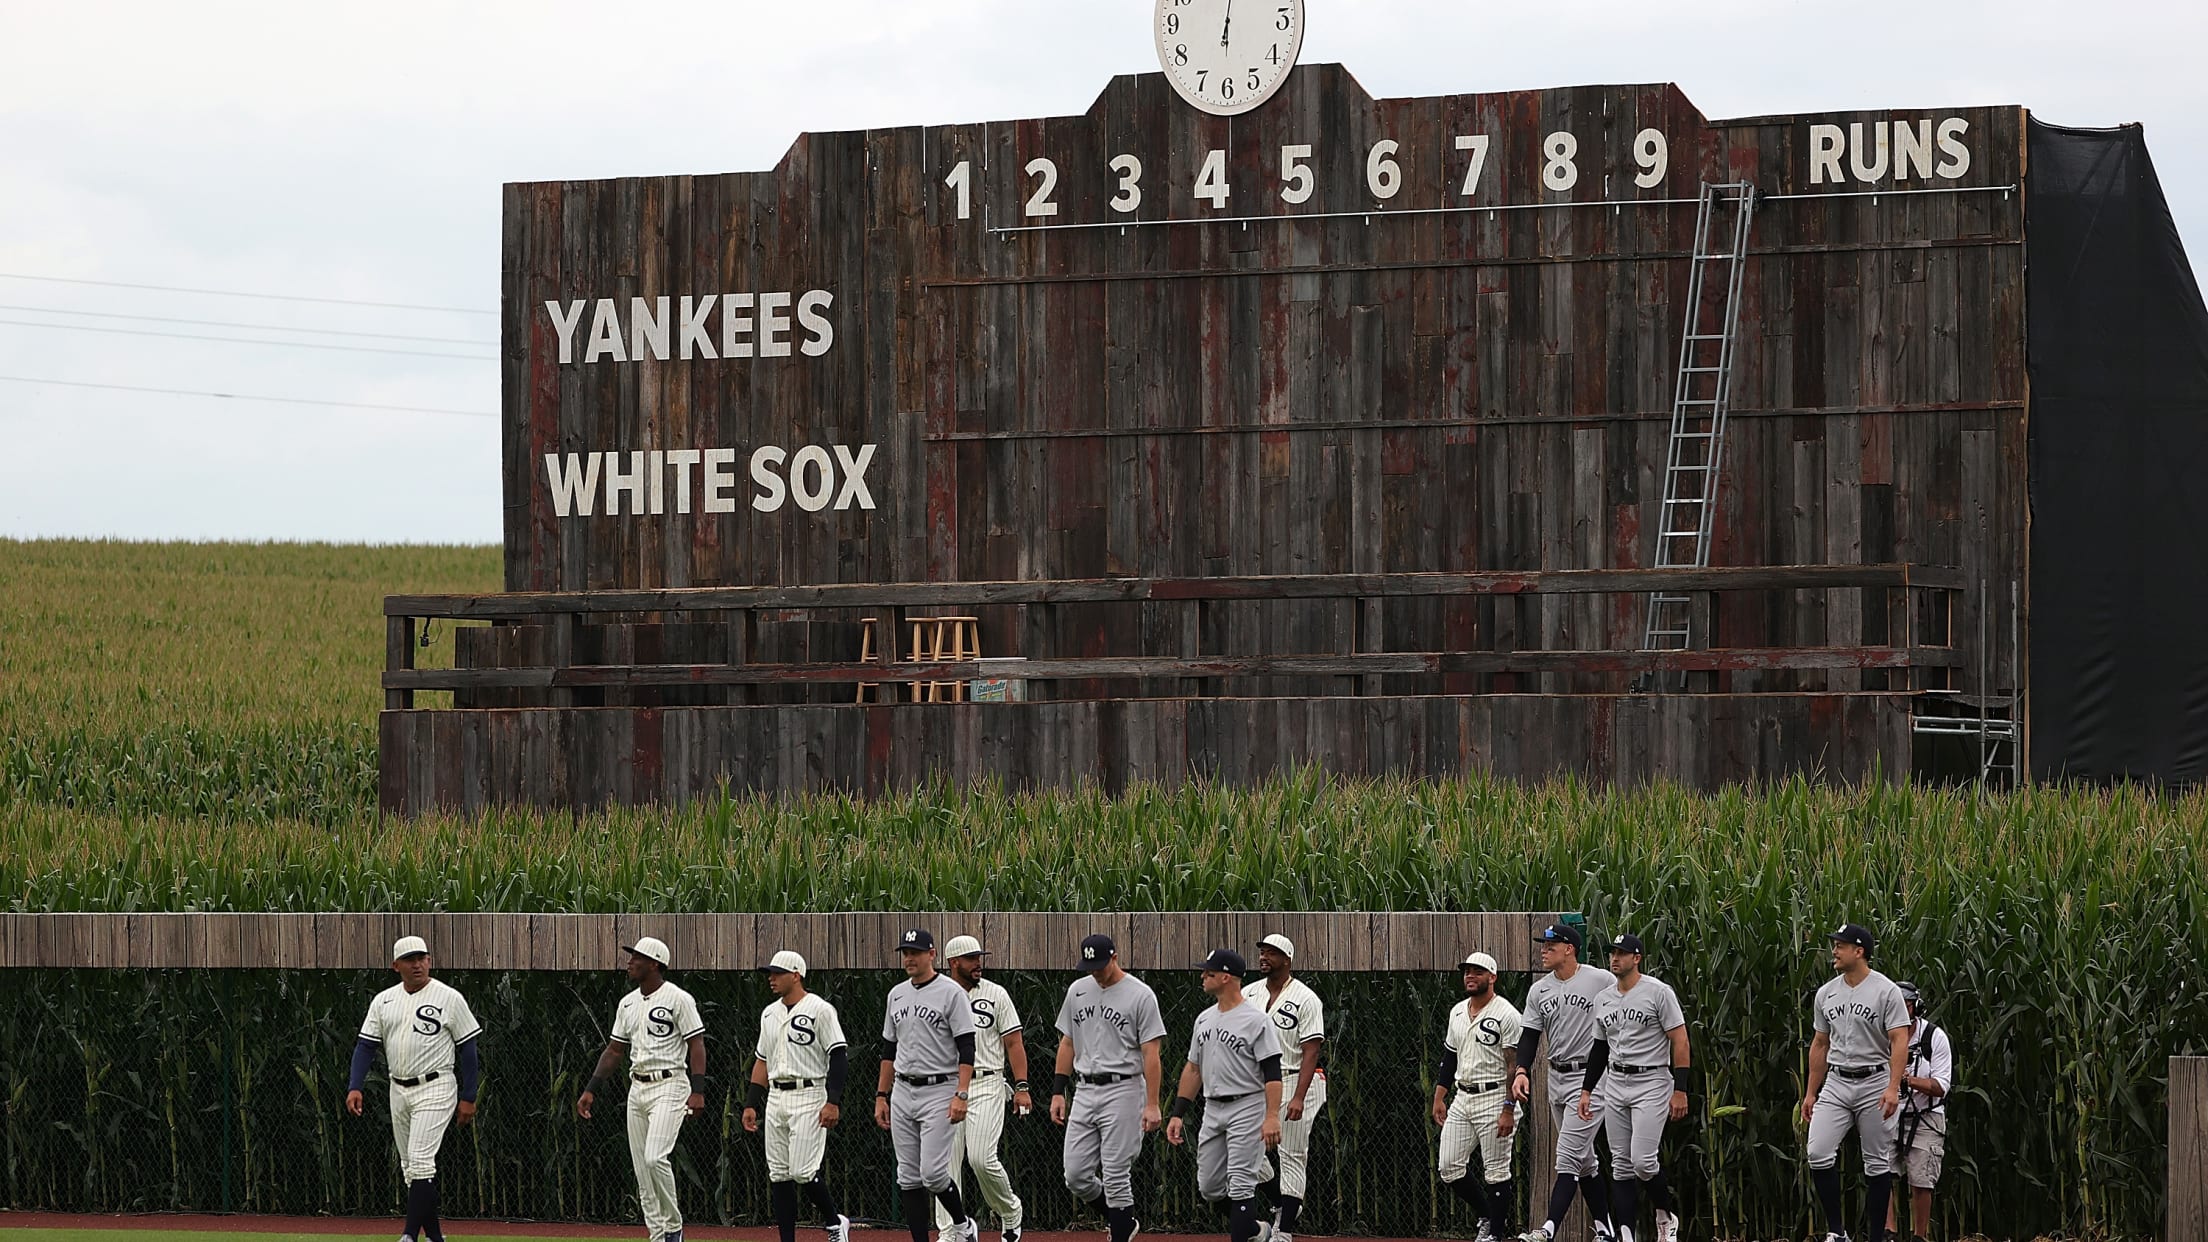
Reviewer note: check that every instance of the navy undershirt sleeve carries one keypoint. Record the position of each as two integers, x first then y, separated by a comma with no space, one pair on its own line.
965,1048
470,1068
364,1055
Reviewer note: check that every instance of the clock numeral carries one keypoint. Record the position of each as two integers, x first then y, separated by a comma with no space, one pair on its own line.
1255,80
1285,20
1653,154
1211,179
1200,73
1295,173
1038,203
1180,53
1226,86
1130,189
1172,23
1477,145
1559,172
1382,174
962,180
1273,54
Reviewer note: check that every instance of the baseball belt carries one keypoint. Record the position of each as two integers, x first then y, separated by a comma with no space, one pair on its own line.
1858,1071
1479,1088
925,1080
1633,1069
1102,1080
1567,1067
1229,1099
431,1076
795,1084
655,1076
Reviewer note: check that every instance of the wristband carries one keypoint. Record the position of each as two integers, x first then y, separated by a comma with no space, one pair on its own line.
1180,1105
1021,1085
881,1095
755,1096
1062,1085
1682,1078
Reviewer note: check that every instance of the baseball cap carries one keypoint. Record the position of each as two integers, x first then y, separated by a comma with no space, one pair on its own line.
649,946
408,946
1855,934
1909,993
1286,946
1225,959
1560,933
787,961
1627,942
964,946
1096,952
916,939
1485,961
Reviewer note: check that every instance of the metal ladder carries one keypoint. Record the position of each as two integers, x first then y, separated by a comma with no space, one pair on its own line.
1699,403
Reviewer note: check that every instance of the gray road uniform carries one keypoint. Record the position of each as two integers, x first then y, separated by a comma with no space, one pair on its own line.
1635,1091
925,1023
1108,1027
1229,1049
1857,1021
1563,1011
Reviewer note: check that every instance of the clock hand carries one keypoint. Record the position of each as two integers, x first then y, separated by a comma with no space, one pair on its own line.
1228,25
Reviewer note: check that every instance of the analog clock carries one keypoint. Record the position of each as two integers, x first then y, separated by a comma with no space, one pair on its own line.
1228,56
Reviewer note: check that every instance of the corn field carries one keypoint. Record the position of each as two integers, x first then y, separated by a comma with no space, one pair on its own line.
188,728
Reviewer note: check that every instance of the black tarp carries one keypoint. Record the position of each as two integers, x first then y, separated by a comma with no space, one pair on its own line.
2118,352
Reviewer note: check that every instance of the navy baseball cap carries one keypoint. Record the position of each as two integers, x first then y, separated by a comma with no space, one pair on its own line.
918,938
1226,960
1626,942
1096,952
1855,934
1560,933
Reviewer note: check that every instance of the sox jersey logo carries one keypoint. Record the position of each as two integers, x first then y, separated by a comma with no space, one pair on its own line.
1480,1036
1298,1018
657,1028
995,1016
419,1031
796,1040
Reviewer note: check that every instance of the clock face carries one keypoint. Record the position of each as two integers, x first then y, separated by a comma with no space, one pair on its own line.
1228,56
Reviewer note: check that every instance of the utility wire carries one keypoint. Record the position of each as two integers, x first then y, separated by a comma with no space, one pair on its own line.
254,327
239,340
239,396
235,293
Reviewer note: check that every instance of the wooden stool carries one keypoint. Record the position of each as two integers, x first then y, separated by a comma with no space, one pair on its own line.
939,639
869,651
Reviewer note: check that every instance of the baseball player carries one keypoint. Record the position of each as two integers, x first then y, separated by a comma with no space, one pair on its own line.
1234,1059
797,1075
1855,1065
427,1034
1113,1031
1561,1005
1299,1023
1480,1059
1000,1079
1923,1139
658,1029
1638,1075
928,1053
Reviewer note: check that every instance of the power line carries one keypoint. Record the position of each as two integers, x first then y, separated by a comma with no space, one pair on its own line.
239,396
255,327
239,340
235,293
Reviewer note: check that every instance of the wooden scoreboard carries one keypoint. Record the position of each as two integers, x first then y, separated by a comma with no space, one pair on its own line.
1331,431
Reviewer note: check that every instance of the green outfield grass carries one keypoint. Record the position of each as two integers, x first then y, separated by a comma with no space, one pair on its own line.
454,1231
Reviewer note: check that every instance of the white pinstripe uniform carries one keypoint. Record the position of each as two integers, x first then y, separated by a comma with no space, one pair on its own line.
657,1030
1479,1037
995,1016
794,1043
1299,1016
420,1033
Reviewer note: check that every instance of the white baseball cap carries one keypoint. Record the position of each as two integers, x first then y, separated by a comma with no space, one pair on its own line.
963,946
408,946
648,946
786,960
1485,961
1286,946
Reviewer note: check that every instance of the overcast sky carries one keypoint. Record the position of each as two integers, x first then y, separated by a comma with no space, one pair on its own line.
356,153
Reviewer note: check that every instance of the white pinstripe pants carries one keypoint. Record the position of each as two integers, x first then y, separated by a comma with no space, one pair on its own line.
419,1116
984,1126
655,1122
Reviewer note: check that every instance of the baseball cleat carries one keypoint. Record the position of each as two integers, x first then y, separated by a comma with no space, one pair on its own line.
1603,1232
1282,1235
1667,1226
1837,1237
1537,1234
1265,1231
841,1230
1012,1234
1486,1233
1133,1230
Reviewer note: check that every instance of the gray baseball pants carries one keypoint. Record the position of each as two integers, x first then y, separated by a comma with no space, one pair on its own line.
1634,1108
1852,1103
1230,1148
1103,1137
1575,1139
920,1126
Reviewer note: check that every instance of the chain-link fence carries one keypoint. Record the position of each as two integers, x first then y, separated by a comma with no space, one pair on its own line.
135,1090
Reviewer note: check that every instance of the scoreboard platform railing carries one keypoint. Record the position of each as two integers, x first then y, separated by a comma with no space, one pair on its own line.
1917,653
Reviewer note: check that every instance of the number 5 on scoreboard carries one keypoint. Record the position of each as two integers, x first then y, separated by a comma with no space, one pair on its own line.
1477,145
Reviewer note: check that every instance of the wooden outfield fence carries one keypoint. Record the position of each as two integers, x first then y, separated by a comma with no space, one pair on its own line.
2188,1149
1399,941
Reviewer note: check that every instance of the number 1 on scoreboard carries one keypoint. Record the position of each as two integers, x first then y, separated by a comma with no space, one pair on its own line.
962,180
